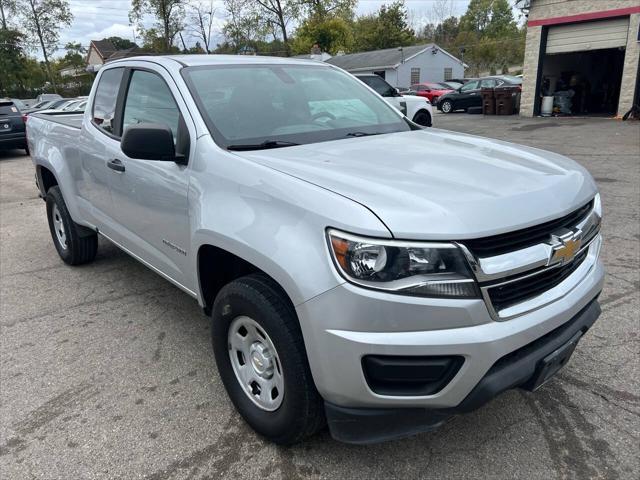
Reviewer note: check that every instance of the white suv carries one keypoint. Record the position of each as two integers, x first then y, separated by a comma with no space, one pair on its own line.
413,107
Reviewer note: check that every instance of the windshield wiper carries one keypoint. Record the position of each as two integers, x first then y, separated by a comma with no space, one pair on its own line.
361,134
262,146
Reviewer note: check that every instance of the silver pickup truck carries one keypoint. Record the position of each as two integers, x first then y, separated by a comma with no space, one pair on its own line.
360,271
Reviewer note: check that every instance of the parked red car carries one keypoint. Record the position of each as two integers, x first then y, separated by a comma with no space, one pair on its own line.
432,91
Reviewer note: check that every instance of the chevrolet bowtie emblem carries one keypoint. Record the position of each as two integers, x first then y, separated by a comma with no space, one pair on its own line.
565,248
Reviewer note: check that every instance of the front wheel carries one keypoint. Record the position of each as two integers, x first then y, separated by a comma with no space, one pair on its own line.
262,361
447,106
422,118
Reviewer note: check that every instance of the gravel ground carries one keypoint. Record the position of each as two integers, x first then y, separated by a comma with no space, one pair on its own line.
107,371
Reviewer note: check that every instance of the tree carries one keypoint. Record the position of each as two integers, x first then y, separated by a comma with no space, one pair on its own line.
43,20
201,22
490,36
278,14
323,9
387,28
169,15
121,43
331,35
245,26
154,41
75,55
11,55
7,7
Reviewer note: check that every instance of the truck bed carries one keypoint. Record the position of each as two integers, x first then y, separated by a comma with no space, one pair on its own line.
69,119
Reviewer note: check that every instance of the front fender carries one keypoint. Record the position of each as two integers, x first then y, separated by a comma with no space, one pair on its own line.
272,220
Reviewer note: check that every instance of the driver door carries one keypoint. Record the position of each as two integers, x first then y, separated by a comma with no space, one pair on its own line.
470,95
150,196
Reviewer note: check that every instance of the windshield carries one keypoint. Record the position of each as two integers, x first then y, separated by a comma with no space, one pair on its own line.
379,85
253,104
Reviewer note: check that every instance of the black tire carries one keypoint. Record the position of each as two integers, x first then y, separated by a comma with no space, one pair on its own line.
81,243
422,118
301,412
446,106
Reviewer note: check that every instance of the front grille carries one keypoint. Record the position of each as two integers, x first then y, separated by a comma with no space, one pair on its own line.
509,294
526,237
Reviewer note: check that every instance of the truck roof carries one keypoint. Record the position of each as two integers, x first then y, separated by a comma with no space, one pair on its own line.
215,59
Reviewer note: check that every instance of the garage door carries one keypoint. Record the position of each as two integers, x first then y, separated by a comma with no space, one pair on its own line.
588,36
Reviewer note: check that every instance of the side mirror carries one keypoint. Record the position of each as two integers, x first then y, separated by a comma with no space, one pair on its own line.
148,141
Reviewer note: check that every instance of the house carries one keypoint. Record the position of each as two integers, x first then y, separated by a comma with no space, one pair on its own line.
404,66
103,51
99,52
585,49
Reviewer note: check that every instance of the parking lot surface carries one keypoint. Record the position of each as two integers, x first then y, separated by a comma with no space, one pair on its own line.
106,370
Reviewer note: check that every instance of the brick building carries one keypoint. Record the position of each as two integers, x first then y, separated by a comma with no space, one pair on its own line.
588,47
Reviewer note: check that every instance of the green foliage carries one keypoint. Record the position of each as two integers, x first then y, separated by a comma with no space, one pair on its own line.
121,43
444,34
22,77
42,20
490,36
154,41
323,10
387,28
332,34
245,26
168,16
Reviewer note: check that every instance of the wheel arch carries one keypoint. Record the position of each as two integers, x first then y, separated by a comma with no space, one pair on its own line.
426,111
46,179
216,267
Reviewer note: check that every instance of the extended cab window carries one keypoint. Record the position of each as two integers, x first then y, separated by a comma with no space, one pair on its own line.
149,100
104,105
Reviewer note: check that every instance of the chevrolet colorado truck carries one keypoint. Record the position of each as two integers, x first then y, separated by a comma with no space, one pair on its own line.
360,271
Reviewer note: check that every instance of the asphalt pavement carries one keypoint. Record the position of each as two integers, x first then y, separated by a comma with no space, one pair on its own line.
106,370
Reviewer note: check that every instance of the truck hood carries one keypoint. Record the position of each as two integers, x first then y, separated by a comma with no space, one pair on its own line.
438,185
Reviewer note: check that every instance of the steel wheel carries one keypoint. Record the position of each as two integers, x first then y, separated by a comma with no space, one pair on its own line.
255,363
447,106
58,224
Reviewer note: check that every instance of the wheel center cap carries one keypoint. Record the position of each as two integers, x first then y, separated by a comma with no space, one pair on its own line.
261,359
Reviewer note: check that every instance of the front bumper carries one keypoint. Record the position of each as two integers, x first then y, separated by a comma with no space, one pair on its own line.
517,369
345,324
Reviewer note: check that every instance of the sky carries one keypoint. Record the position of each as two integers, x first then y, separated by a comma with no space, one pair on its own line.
97,19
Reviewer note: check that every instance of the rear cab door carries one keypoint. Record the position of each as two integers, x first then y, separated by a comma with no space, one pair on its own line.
99,141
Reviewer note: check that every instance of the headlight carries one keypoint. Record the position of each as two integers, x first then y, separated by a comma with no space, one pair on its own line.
408,268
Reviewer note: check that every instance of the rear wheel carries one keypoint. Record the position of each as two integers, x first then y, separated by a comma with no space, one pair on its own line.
422,118
447,106
75,244
262,361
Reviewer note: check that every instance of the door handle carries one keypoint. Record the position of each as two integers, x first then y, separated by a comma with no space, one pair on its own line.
116,165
